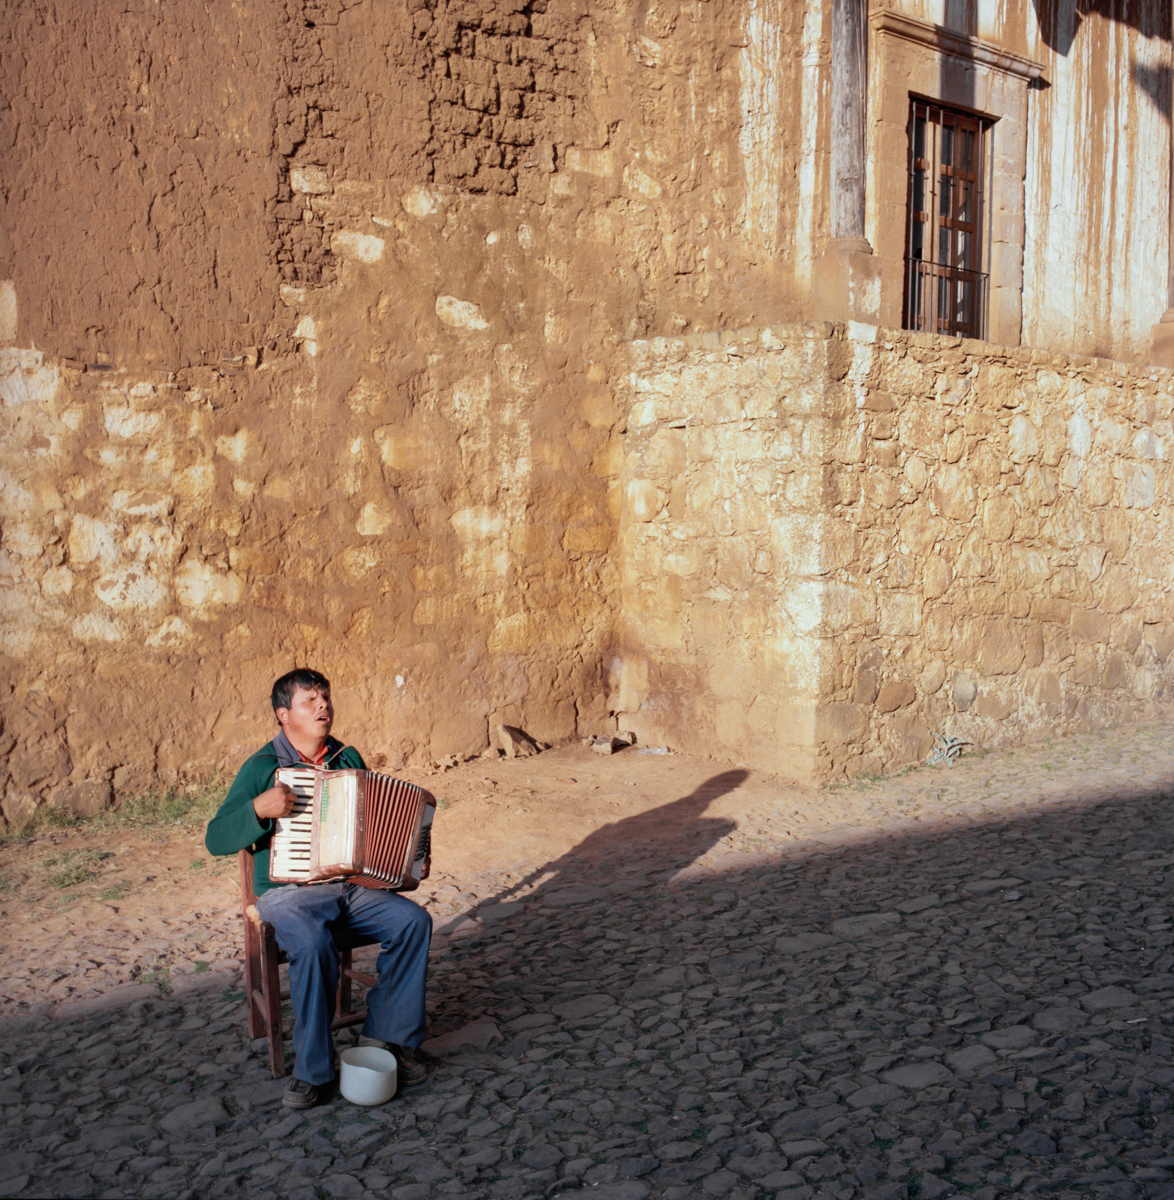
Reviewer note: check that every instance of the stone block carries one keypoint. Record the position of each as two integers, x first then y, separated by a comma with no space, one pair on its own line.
1048,608
895,695
999,515
643,500
1161,639
1126,635
1002,648
878,488
865,686
936,579
1120,589
907,737
1023,439
1086,667
1115,672
91,540
1138,485
86,799
845,606
460,314
900,614
361,247
1044,687
1090,625
963,691
953,495
994,708
841,724
18,807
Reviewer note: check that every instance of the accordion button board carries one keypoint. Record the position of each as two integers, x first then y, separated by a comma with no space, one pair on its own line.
367,828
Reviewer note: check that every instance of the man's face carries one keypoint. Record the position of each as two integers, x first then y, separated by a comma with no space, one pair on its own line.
309,716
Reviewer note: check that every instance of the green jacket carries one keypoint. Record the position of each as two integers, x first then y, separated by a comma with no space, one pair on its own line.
236,825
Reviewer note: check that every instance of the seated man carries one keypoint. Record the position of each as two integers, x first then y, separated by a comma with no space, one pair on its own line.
305,916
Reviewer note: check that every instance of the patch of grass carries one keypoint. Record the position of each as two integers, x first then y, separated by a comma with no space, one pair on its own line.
202,966
182,804
161,977
197,864
72,867
117,891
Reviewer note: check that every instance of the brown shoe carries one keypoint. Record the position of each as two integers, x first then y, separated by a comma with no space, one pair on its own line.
300,1094
410,1065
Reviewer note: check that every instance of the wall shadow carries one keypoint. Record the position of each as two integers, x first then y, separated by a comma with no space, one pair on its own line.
1060,20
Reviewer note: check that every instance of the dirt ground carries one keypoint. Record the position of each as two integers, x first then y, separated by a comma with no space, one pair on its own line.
88,910
494,815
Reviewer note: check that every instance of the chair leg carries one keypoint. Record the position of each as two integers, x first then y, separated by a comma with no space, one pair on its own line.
344,986
253,980
272,1000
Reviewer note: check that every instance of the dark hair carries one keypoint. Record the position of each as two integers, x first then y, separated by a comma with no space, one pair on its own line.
307,680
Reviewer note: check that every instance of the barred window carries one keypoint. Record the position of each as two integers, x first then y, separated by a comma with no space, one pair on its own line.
945,289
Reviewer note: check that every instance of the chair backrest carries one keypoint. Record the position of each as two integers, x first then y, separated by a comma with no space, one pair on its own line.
248,896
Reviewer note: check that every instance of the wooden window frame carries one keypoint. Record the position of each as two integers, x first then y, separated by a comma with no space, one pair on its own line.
946,290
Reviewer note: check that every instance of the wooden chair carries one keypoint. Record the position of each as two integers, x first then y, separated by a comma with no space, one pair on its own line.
263,994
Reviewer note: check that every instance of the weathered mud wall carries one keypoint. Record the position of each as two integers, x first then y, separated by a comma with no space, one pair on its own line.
1096,251
835,546
139,179
321,368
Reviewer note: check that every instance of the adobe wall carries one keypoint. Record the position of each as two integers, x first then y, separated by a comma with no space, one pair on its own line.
309,325
864,538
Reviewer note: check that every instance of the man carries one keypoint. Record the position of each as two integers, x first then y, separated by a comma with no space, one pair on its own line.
304,917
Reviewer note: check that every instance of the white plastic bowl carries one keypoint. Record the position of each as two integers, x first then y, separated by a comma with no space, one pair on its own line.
368,1075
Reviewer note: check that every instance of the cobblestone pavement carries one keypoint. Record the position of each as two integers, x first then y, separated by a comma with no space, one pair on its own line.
957,980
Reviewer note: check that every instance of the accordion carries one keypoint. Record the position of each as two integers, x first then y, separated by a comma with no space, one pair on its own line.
370,829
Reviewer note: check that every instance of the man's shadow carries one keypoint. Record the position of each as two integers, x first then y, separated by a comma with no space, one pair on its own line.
617,845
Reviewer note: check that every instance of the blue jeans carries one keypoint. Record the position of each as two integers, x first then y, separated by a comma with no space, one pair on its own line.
307,920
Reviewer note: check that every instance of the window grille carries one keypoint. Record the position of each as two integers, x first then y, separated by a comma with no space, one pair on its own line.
945,290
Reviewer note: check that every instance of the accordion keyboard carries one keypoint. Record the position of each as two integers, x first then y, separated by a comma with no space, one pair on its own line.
294,833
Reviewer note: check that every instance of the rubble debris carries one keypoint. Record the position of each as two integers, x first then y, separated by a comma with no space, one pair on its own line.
516,743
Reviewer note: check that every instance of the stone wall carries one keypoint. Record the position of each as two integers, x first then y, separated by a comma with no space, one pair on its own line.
836,544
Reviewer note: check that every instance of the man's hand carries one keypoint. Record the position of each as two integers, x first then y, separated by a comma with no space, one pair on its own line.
278,801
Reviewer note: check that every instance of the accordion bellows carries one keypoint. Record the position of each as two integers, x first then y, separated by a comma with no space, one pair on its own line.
370,829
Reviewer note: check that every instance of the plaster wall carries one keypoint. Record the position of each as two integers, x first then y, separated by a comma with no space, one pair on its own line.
1077,221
